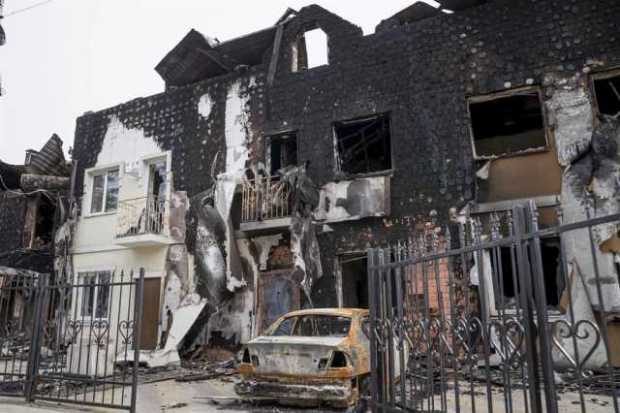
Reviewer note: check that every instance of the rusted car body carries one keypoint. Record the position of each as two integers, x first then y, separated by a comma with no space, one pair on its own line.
309,357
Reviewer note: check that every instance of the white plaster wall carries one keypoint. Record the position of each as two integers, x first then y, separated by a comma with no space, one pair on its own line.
237,127
122,144
94,245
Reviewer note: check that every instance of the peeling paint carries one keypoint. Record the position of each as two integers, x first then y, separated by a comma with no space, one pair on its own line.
572,119
205,105
237,128
355,199
126,145
590,189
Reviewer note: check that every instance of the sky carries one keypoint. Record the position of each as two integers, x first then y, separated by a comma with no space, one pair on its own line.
67,57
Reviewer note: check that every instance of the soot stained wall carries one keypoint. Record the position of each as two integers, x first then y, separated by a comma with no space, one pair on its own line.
421,74
12,216
173,120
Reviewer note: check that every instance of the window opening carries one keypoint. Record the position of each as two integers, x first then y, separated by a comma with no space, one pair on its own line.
321,326
363,145
156,200
95,300
607,91
105,192
44,224
158,184
282,152
507,125
285,328
310,50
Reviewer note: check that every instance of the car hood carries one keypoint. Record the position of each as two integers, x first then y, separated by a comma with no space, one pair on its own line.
286,355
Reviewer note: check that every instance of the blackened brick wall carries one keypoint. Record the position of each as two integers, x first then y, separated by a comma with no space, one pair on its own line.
12,215
12,226
420,73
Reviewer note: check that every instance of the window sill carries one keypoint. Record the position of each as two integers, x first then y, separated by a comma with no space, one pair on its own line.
99,214
543,201
524,152
343,176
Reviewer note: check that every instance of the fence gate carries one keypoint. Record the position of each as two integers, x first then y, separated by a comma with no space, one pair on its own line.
504,316
75,342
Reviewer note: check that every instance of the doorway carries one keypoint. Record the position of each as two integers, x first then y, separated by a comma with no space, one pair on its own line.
278,294
354,273
150,314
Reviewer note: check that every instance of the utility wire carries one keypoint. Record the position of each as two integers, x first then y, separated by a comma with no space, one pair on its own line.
28,8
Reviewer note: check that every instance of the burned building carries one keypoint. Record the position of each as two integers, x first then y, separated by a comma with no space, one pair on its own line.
255,182
33,199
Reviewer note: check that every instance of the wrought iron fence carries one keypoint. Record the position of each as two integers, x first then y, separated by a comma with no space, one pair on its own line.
80,343
139,216
503,317
265,198
18,299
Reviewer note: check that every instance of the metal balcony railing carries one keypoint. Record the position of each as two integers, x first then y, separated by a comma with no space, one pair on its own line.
141,216
264,199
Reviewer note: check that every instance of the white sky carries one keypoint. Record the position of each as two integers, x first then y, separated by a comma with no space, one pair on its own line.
67,57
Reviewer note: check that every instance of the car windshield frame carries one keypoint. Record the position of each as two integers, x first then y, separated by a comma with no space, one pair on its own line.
300,325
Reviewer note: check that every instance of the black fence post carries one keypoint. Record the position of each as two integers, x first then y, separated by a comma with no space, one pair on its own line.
374,354
137,334
34,356
540,302
525,293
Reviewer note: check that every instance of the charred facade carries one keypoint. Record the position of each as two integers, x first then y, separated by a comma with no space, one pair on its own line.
255,183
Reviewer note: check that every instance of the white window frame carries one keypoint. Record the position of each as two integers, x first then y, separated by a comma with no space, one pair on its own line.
92,173
149,160
81,278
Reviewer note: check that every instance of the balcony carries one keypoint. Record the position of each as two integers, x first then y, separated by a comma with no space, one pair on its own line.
142,222
266,205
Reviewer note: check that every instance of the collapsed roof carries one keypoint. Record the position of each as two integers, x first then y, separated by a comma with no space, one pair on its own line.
197,57
48,162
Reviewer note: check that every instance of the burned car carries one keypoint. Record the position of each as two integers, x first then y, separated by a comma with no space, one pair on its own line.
309,357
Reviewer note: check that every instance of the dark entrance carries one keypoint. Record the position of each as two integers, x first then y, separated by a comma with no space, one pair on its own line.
354,270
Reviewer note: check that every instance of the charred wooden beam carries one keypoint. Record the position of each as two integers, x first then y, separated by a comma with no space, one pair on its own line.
32,182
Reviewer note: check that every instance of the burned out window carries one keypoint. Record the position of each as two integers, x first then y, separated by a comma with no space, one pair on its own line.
321,326
363,145
282,151
44,223
607,91
310,50
285,327
507,124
